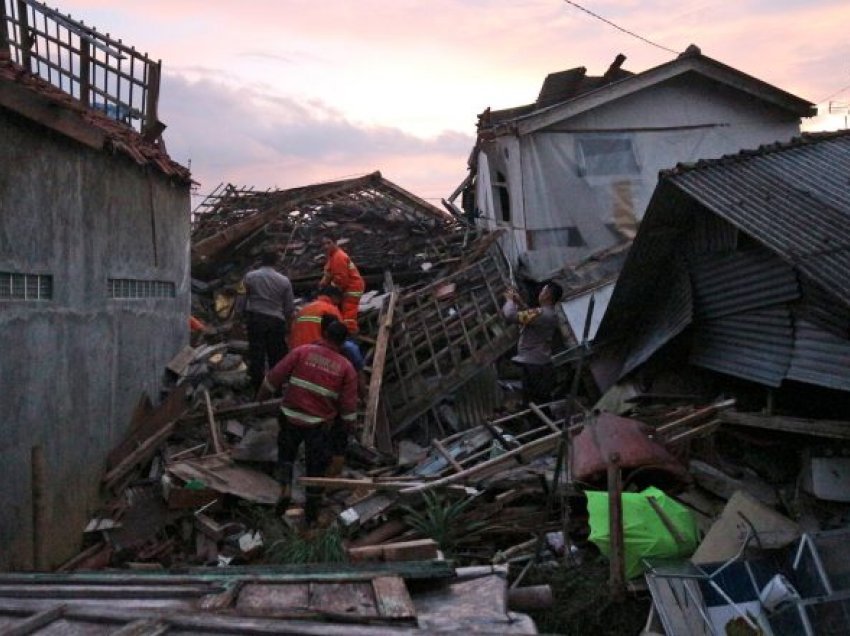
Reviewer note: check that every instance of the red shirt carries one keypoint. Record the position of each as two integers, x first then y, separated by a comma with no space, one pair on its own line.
322,385
307,326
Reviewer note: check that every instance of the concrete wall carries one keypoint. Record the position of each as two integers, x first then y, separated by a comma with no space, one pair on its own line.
72,368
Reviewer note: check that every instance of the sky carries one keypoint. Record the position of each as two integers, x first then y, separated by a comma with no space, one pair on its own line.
284,93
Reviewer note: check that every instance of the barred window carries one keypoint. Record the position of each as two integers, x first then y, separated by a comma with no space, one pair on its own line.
15,286
130,288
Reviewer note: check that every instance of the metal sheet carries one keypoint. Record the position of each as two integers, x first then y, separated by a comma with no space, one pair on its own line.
819,357
664,320
755,345
739,281
575,310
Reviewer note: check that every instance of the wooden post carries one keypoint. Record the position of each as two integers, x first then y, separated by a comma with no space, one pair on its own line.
26,38
617,579
214,433
5,50
85,72
40,522
367,437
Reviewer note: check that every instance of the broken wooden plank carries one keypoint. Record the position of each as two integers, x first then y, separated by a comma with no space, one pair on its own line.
446,455
367,435
528,452
355,599
149,424
215,434
392,598
833,429
416,550
141,454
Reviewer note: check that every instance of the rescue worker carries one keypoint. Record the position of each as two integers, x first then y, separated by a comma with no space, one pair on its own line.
338,436
340,271
269,303
321,385
534,351
307,324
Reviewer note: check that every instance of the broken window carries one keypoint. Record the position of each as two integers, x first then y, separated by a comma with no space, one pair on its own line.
124,288
555,237
606,156
503,197
14,286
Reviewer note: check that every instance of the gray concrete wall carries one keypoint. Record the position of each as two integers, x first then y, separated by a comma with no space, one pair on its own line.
72,368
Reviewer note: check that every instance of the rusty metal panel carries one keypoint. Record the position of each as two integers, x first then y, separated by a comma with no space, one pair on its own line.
755,345
739,281
820,357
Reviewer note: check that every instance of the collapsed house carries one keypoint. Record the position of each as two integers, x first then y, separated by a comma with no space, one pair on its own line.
94,278
739,269
572,173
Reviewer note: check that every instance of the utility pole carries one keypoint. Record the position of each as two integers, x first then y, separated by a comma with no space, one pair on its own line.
840,108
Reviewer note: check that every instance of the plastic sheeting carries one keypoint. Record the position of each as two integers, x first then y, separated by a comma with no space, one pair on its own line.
645,535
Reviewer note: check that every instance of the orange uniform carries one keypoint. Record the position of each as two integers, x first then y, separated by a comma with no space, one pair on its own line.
307,325
341,272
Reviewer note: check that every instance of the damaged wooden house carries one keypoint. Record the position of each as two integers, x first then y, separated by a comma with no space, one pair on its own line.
572,173
737,279
94,279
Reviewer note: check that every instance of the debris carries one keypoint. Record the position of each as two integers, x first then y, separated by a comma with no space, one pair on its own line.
742,515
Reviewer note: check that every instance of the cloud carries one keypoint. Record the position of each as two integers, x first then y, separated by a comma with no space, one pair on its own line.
242,134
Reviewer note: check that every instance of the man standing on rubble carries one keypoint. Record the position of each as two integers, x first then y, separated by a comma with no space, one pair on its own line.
269,304
321,386
341,272
534,351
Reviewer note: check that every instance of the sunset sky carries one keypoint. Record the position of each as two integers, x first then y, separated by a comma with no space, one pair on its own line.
282,93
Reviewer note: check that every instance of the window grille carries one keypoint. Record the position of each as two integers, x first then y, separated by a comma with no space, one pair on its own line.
129,288
15,286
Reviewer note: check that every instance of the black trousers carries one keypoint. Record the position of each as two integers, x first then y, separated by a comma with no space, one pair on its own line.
266,344
538,381
317,455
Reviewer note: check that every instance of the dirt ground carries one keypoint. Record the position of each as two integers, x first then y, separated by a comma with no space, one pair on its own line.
582,603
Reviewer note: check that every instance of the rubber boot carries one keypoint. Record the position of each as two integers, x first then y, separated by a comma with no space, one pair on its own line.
335,466
285,488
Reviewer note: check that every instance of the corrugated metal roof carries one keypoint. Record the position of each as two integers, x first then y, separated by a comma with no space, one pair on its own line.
794,198
820,357
755,345
735,282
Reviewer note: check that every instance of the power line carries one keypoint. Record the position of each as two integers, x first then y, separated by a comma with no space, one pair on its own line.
838,92
619,28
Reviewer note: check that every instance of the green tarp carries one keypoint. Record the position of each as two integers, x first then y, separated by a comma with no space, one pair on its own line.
644,532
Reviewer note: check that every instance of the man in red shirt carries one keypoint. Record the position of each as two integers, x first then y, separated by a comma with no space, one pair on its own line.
307,325
321,384
340,271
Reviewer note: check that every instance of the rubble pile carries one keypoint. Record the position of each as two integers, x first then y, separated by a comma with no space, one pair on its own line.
445,464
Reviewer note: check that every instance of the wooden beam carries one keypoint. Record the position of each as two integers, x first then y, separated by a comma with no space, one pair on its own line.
60,117
832,429
35,622
215,434
617,577
367,436
447,455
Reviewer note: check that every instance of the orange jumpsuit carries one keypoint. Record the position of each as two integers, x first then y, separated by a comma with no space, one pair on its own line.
307,324
341,272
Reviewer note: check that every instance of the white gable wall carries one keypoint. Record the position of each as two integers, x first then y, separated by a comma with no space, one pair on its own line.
553,185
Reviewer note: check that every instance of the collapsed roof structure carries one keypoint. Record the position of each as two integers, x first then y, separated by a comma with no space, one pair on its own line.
742,262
